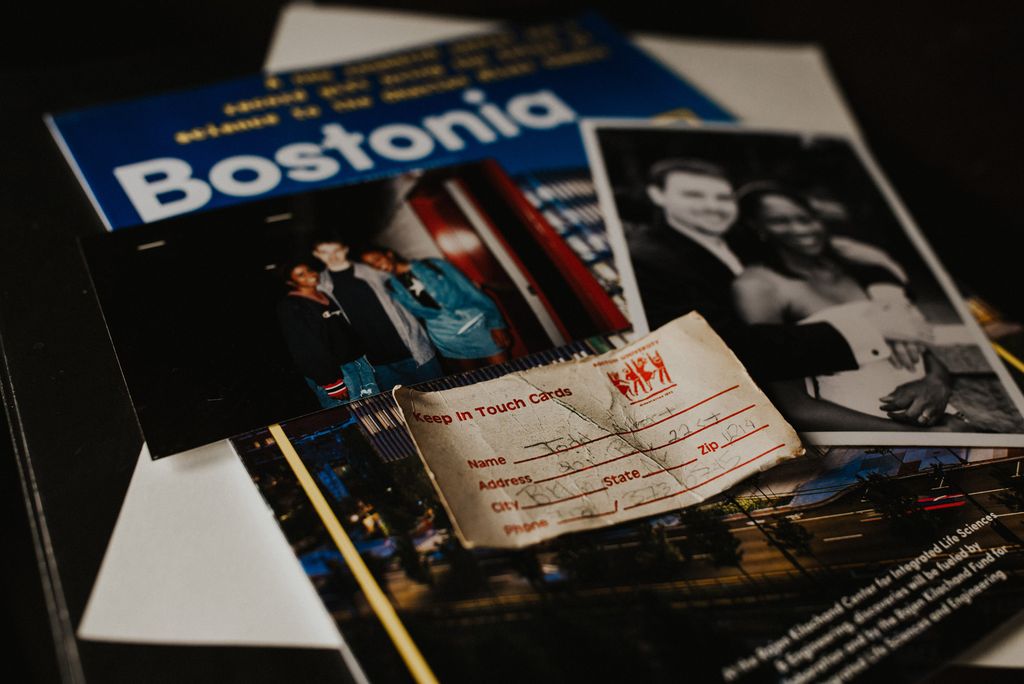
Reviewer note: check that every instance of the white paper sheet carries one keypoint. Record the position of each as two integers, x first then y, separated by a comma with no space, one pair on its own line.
197,557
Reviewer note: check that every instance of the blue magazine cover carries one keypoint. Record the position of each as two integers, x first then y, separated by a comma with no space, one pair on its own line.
515,96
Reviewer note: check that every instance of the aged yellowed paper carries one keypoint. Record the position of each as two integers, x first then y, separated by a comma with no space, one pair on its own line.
665,422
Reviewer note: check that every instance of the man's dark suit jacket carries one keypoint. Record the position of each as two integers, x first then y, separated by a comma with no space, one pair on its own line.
676,275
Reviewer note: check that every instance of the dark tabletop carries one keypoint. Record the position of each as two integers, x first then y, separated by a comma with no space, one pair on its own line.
932,84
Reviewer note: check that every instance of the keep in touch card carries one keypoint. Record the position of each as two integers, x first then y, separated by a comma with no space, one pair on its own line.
665,422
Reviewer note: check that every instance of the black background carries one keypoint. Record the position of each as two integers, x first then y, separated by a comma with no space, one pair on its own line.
934,86
194,321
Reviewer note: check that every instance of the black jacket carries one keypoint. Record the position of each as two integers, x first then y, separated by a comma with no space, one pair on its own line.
676,275
319,337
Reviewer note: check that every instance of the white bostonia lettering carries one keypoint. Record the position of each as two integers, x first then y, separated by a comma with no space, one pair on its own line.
148,183
223,175
165,187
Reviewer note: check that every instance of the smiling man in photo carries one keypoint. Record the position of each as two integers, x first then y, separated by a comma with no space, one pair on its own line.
396,344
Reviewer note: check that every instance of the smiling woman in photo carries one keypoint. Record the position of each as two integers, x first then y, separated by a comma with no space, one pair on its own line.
805,275
323,345
793,247
464,324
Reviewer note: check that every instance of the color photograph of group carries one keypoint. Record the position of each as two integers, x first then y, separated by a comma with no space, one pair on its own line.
230,319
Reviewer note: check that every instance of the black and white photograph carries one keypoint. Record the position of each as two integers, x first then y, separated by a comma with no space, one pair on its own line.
235,318
794,248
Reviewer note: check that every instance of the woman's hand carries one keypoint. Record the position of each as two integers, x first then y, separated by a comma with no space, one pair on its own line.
921,402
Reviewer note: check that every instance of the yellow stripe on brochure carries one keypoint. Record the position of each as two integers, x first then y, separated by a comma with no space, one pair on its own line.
414,660
1008,357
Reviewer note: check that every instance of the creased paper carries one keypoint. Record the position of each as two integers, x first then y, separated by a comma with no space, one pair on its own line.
663,423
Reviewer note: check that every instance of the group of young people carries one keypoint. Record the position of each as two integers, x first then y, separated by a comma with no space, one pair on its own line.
358,324
824,320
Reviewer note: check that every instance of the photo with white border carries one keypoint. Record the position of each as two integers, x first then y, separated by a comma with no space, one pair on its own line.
795,248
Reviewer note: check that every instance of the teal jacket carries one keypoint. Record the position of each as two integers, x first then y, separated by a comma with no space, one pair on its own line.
461,327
